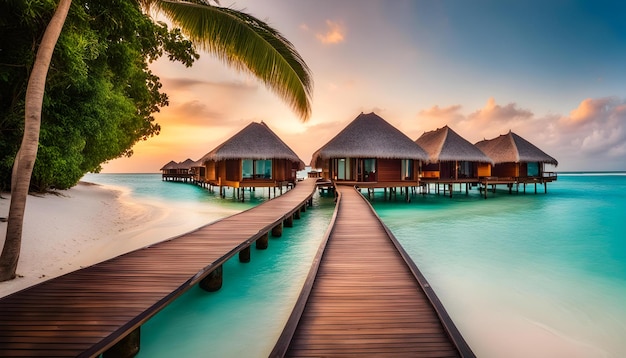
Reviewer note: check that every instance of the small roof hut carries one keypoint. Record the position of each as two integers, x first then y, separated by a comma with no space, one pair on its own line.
516,158
451,157
253,157
444,144
172,165
370,150
185,165
511,148
177,171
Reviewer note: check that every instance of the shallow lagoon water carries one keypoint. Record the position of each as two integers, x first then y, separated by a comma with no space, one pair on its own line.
522,275
526,275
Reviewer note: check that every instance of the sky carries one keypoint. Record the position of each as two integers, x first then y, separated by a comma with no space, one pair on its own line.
551,71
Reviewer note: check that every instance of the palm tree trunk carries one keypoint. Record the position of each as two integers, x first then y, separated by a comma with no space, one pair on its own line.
25,159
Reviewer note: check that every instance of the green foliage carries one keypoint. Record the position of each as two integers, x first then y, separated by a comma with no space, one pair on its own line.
100,94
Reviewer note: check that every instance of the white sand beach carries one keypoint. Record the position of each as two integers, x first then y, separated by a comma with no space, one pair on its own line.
88,224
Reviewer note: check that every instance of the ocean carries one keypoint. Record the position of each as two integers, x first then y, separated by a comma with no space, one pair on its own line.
521,275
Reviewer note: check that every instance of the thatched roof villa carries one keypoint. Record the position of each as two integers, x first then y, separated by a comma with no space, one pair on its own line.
516,160
177,171
254,157
450,156
370,153
451,159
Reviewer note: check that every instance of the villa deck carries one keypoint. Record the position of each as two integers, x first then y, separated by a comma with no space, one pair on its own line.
86,312
365,297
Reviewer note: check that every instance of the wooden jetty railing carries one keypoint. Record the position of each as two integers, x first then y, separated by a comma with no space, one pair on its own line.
99,309
364,296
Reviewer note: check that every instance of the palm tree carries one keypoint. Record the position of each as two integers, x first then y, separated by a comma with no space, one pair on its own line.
238,39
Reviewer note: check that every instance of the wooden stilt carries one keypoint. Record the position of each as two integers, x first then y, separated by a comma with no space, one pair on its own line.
277,231
288,222
303,208
244,255
296,214
126,348
213,282
262,242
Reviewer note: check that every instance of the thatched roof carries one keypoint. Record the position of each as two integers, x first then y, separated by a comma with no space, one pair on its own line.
512,148
255,141
444,144
187,164
171,165
370,136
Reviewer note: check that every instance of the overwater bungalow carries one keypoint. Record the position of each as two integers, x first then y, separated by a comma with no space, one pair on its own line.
173,171
198,172
516,161
451,159
370,153
254,157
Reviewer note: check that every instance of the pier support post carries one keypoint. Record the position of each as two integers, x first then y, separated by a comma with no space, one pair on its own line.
213,282
262,242
288,222
244,255
277,231
296,214
126,348
303,208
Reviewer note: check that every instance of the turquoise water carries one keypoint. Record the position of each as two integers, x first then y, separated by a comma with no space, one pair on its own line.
521,275
526,275
150,186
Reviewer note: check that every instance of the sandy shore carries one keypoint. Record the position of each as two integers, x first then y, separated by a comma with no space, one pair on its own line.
88,224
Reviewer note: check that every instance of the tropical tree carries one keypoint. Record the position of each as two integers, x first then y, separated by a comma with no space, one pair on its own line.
239,39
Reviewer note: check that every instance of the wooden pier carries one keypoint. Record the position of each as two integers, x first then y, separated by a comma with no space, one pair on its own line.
364,296
99,309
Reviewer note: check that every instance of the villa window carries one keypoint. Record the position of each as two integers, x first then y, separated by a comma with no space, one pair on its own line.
342,168
533,169
256,169
407,169
247,169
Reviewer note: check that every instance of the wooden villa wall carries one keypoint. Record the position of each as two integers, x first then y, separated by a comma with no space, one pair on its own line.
484,170
211,171
388,170
523,170
232,170
507,170
447,170
282,169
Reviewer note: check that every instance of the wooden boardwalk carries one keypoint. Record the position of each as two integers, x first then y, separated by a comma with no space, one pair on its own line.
365,297
85,312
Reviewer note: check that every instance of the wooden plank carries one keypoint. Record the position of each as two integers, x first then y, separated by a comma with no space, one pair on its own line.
362,297
87,311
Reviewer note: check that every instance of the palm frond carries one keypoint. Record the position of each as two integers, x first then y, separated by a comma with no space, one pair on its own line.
248,44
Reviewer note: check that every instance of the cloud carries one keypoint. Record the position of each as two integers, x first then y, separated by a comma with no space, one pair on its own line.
597,127
590,110
192,84
334,34
495,112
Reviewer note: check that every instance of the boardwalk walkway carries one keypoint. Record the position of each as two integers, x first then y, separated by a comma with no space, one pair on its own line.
87,311
365,299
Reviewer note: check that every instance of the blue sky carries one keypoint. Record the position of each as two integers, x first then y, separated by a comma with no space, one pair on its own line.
551,71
